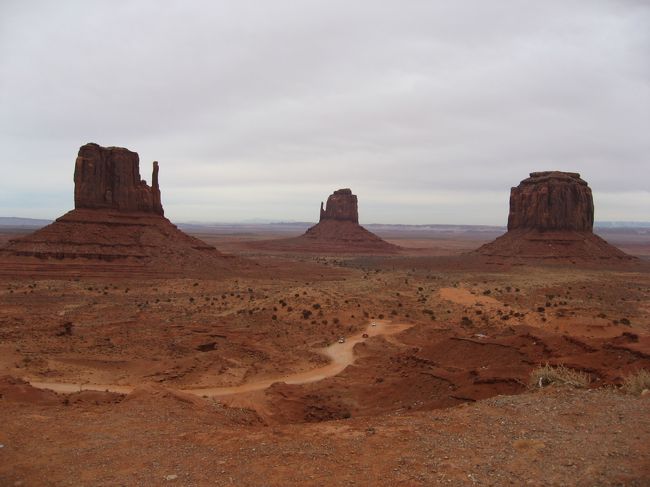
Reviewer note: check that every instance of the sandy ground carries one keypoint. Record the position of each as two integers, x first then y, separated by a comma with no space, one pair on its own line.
339,355
240,380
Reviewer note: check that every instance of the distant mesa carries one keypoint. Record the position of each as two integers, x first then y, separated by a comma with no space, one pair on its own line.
551,217
116,228
338,231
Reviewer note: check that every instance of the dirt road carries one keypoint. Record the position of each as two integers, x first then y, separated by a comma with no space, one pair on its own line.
340,354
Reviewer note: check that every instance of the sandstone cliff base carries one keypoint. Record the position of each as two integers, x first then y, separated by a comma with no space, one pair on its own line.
117,228
332,237
563,245
338,231
551,217
108,242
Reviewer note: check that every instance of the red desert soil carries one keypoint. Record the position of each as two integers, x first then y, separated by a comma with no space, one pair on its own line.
340,354
551,437
445,400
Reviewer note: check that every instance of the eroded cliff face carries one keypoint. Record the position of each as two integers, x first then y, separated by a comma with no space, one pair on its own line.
109,177
341,205
551,200
117,228
552,217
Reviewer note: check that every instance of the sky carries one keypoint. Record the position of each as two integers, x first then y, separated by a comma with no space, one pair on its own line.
428,110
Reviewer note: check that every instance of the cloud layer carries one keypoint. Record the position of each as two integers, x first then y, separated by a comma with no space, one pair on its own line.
428,110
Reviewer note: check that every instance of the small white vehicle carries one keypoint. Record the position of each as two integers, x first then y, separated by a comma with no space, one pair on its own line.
342,340
373,324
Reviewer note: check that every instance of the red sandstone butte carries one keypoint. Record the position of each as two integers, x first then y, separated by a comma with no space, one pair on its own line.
552,200
342,205
338,231
117,228
551,217
109,177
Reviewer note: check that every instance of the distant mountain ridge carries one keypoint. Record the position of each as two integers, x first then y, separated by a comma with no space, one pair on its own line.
18,222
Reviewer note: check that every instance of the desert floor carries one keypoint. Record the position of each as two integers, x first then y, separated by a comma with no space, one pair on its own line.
243,380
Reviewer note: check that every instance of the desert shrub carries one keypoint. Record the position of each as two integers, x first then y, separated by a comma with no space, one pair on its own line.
546,375
637,382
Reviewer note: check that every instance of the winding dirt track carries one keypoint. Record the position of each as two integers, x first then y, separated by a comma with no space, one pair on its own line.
340,354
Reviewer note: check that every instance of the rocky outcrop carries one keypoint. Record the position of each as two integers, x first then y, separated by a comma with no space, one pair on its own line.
338,231
109,177
341,205
552,200
117,228
551,217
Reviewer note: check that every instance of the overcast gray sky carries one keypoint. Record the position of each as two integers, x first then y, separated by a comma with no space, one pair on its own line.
429,110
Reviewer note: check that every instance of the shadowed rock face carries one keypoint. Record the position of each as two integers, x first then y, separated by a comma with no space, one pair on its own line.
341,205
552,217
551,200
109,177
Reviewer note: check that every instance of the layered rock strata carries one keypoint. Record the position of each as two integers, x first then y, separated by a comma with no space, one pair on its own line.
116,228
551,217
551,200
338,231
342,205
109,177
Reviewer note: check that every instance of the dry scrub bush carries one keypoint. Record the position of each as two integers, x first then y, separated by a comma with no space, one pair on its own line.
637,382
546,375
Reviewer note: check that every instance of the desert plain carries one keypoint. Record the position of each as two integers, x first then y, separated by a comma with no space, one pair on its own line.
239,378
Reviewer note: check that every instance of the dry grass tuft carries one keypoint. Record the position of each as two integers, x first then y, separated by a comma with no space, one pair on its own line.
546,375
637,382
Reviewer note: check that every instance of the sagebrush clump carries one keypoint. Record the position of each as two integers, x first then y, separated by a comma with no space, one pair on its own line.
548,374
637,382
